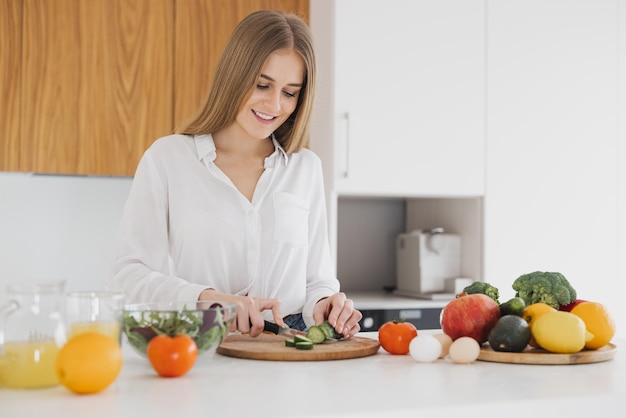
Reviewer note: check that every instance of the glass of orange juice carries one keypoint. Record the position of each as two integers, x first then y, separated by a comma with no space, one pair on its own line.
32,331
29,364
94,311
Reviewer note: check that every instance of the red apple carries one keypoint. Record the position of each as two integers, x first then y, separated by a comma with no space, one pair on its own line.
470,316
570,306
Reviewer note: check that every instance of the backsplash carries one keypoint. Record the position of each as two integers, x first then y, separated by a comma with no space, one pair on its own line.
59,228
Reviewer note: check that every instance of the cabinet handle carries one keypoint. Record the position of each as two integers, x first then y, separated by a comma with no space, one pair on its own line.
346,163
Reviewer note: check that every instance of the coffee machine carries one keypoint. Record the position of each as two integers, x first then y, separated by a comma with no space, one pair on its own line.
426,260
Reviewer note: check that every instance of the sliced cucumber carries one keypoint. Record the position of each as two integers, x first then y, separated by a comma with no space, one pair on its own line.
304,345
316,334
301,339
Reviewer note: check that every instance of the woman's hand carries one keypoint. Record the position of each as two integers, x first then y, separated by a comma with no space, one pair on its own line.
248,319
340,313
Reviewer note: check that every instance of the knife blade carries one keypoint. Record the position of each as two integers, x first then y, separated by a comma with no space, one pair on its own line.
278,330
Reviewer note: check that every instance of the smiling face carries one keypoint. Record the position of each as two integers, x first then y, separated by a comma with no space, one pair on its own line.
275,95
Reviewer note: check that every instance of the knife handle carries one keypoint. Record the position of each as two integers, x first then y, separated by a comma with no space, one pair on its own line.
271,327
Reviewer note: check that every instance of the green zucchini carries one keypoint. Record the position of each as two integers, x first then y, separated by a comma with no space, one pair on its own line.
290,343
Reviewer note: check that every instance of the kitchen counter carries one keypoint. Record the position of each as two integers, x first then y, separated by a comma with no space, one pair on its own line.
381,385
389,300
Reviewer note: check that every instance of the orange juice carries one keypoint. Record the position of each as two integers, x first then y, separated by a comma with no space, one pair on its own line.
108,328
26,365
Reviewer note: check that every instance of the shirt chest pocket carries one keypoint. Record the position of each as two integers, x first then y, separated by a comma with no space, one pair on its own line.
291,219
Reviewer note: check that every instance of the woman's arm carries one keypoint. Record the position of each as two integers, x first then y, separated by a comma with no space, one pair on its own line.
141,266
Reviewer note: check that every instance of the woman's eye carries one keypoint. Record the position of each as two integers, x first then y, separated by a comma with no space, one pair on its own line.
289,94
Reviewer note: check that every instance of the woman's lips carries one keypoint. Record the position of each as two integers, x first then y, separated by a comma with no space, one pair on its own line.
263,116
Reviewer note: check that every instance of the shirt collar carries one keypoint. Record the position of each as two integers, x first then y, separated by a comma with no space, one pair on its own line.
205,147
280,150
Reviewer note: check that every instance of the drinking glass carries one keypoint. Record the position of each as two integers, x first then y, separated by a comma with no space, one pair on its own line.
94,311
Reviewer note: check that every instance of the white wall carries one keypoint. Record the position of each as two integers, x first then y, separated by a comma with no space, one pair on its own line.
553,145
58,227
621,145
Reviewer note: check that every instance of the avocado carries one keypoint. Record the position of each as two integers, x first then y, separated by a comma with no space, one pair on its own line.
511,334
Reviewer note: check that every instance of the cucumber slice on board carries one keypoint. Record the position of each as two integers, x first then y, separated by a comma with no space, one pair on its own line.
304,345
301,339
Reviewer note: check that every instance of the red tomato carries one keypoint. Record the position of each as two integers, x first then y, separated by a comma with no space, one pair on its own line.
172,356
396,336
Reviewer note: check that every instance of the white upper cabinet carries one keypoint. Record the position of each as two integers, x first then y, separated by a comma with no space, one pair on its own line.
401,109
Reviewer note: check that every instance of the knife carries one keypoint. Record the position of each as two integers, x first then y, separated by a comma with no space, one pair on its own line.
278,330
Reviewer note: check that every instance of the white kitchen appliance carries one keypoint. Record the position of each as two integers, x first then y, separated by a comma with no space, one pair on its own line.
425,260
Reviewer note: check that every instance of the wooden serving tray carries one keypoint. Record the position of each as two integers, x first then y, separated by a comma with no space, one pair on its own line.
538,356
272,347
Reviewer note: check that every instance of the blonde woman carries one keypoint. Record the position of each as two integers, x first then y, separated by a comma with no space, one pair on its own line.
231,207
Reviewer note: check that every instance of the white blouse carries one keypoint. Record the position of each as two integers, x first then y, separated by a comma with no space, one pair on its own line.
186,228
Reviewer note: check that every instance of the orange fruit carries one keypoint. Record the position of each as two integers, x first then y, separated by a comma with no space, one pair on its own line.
598,322
89,362
531,313
560,332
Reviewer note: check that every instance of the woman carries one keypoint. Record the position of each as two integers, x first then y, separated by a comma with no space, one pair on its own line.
231,207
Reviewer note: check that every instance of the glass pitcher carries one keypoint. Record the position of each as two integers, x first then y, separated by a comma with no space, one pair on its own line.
32,332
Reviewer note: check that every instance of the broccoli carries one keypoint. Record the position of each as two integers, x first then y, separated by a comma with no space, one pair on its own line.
484,288
550,288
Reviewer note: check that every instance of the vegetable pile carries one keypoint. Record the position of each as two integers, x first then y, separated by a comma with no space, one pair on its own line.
544,315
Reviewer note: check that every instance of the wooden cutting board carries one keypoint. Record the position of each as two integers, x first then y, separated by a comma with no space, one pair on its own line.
272,347
537,356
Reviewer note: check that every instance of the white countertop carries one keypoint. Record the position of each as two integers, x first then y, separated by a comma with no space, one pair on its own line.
381,385
387,300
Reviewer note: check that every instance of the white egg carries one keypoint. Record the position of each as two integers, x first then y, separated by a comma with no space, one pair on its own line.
464,350
425,348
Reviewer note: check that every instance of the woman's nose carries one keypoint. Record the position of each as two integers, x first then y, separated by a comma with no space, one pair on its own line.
273,101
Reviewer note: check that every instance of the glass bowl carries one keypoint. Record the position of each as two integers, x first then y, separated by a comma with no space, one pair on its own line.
206,322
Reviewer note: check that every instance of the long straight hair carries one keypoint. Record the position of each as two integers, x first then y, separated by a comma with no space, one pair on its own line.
254,39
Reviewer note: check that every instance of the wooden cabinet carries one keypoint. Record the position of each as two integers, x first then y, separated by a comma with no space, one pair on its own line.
403,94
96,84
88,85
10,76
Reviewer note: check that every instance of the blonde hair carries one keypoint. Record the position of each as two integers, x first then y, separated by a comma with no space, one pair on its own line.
254,39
